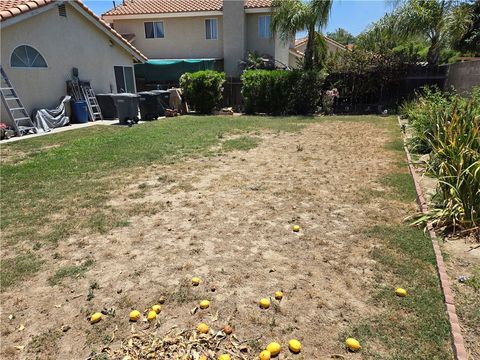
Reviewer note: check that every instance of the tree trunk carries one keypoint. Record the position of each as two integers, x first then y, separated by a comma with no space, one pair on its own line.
433,55
309,51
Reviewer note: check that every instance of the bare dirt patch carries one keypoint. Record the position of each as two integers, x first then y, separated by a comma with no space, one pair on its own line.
226,219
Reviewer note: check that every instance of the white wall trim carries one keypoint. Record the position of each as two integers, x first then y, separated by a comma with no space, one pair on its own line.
258,10
110,18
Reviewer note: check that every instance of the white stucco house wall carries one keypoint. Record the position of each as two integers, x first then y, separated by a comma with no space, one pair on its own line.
43,40
225,30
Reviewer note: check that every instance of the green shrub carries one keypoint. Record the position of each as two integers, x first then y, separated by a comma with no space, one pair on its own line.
451,129
281,92
203,90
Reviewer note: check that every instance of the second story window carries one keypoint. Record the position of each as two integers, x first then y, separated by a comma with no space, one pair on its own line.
154,30
264,27
211,29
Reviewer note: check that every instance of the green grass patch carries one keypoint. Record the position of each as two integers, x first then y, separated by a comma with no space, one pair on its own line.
414,327
243,143
71,272
16,269
401,185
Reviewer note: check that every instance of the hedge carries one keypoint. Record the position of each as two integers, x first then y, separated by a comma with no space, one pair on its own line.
280,92
203,90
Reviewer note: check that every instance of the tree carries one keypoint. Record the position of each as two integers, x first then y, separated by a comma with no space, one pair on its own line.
291,16
466,28
434,19
342,36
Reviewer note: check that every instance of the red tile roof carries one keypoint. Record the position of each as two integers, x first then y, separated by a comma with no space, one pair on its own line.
301,41
139,7
12,8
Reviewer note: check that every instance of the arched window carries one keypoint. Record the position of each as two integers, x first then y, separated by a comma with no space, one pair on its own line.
27,57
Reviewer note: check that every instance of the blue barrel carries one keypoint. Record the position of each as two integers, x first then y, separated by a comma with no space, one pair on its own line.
80,111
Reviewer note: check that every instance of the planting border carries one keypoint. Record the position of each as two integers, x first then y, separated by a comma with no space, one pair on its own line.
456,332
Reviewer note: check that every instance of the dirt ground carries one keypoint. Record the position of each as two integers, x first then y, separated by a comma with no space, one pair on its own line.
226,219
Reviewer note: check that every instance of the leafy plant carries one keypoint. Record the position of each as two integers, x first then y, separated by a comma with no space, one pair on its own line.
453,135
203,90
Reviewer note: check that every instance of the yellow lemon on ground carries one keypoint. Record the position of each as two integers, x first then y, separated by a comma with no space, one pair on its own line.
274,348
264,303
278,295
295,346
96,317
152,315
296,228
352,344
195,281
203,328
204,304
265,355
134,315
157,308
401,292
224,357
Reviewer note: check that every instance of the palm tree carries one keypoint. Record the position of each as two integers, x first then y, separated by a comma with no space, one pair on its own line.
430,18
291,16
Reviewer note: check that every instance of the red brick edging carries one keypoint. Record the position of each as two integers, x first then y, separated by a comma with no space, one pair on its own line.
457,338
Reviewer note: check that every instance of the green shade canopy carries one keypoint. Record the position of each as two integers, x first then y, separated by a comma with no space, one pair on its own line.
171,69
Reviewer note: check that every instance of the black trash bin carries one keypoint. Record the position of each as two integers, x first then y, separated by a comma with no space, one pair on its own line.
107,106
164,96
126,107
150,104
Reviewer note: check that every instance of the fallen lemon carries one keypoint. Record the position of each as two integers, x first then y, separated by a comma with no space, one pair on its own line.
264,303
401,292
296,228
195,281
265,355
274,348
152,315
96,317
295,346
224,357
134,315
278,295
203,328
352,344
204,304
157,308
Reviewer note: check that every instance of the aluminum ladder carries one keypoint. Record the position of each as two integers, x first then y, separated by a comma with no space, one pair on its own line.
20,120
92,103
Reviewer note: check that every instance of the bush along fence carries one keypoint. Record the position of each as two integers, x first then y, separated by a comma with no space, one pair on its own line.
279,92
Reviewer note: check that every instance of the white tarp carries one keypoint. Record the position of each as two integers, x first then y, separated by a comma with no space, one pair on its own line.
45,120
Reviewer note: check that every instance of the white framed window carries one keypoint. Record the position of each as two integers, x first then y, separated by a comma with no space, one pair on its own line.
264,27
124,79
25,56
154,30
211,29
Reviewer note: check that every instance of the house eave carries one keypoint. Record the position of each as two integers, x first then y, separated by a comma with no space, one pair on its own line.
110,18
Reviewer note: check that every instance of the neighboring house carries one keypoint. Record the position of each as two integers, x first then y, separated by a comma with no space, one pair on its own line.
42,40
298,51
199,29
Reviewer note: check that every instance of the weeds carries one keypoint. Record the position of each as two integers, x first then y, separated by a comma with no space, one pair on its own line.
72,272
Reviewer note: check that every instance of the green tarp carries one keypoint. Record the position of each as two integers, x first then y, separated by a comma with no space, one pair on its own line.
170,69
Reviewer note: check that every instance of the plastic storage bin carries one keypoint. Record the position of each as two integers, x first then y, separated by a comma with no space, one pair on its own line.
80,112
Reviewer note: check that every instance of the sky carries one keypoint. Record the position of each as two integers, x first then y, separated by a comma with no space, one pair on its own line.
352,15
